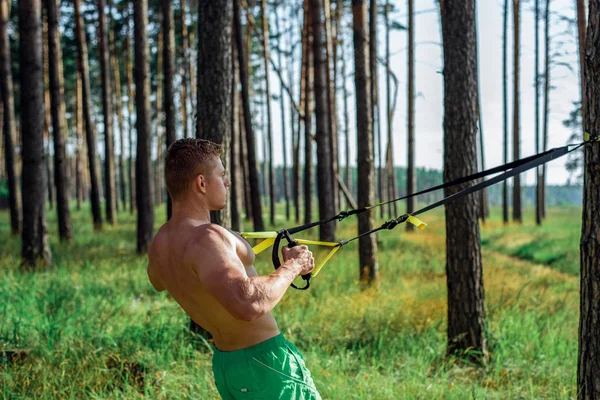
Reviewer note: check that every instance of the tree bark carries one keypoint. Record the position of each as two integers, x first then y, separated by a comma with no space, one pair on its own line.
59,122
185,76
119,107
588,361
538,191
517,214
237,181
109,152
158,126
581,25
505,107
308,87
331,100
391,173
286,193
169,72
130,101
78,113
302,105
250,138
373,11
463,254
35,249
325,167
214,80
269,139
8,131
411,179
145,220
366,174
546,102
82,59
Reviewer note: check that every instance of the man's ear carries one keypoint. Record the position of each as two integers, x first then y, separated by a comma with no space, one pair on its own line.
200,183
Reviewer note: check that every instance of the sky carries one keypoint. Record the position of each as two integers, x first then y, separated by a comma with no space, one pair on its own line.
429,85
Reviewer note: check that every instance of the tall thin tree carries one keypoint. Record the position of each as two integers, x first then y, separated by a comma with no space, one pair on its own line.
505,107
35,249
547,80
373,62
308,98
90,128
249,132
286,193
109,147
588,361
411,176
517,214
391,173
59,121
463,253
145,218
169,71
185,61
538,174
269,134
325,168
8,131
130,115
366,173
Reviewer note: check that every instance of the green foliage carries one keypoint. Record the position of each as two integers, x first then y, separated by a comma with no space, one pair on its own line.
94,327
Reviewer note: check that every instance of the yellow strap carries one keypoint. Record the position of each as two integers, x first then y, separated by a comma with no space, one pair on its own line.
262,246
259,235
322,263
587,136
417,222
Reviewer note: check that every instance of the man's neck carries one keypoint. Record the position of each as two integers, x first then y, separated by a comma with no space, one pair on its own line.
189,210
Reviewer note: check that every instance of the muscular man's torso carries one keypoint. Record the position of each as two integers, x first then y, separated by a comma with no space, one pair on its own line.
177,274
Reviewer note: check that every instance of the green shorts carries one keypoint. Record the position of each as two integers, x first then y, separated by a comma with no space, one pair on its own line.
273,369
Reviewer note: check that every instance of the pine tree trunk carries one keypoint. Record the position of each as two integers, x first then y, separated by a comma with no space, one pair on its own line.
546,102
119,108
235,166
90,128
145,220
286,193
411,179
517,214
538,191
301,121
345,94
505,106
308,87
214,80
375,98
463,254
8,131
368,267
130,101
109,152
169,72
250,138
59,122
158,175
588,362
77,112
265,37
581,25
185,76
35,248
391,174
331,100
47,113
325,167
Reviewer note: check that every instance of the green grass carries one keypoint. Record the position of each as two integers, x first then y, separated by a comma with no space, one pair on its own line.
95,328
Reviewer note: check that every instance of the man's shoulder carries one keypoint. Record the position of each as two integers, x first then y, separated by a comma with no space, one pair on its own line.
207,236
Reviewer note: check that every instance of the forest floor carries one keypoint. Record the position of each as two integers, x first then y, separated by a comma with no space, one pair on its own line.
93,327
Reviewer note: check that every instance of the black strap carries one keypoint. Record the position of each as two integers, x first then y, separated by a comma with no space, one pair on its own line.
532,163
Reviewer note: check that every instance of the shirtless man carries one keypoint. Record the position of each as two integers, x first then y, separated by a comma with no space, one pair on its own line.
209,271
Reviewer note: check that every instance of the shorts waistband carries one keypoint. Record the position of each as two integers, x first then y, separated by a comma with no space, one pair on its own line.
274,342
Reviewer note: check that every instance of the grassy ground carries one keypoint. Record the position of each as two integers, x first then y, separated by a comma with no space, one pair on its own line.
92,327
